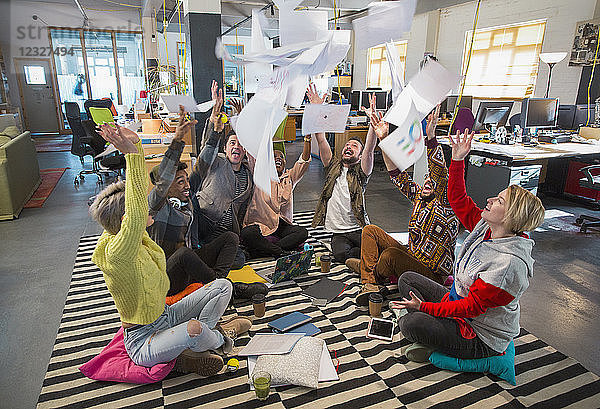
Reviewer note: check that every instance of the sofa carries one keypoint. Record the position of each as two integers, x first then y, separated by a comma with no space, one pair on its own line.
19,173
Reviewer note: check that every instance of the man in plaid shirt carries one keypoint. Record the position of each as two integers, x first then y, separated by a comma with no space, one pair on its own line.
432,227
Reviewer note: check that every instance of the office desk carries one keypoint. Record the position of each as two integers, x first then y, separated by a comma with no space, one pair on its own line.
546,163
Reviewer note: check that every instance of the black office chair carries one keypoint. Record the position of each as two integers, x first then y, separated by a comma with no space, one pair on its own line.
111,164
80,145
97,103
591,182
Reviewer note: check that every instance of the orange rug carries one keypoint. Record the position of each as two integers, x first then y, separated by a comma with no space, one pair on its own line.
53,144
50,178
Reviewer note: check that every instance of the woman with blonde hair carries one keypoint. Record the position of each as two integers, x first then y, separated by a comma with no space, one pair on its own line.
134,268
479,316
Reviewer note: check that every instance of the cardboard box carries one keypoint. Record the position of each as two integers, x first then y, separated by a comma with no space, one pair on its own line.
151,126
589,133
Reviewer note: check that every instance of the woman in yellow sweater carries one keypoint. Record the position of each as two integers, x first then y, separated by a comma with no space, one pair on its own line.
134,269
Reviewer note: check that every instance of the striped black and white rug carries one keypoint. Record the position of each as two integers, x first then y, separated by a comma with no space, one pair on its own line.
371,375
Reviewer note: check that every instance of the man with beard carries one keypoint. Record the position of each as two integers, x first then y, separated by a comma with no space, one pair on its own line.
273,215
432,227
341,207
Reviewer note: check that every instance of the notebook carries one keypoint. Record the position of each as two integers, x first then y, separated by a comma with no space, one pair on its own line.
271,344
309,329
101,115
288,267
325,289
287,322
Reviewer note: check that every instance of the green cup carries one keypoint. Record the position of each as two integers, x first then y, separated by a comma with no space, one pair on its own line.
262,384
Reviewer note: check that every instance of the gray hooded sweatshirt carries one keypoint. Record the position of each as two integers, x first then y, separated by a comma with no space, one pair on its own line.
504,263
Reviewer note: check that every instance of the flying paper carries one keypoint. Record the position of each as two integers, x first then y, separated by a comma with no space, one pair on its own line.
324,118
300,26
386,21
172,103
426,89
396,69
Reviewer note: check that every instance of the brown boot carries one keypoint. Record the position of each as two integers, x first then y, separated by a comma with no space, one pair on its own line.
362,299
235,326
203,363
353,264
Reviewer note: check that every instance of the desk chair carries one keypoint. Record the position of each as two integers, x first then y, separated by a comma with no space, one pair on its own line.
514,120
464,120
108,165
81,144
98,103
591,182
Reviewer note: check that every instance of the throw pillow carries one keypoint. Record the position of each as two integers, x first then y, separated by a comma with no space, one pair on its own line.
502,366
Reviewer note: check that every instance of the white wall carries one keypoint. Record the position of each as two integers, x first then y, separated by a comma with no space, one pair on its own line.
455,21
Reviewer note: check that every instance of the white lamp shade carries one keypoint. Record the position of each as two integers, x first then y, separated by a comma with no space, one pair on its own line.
552,58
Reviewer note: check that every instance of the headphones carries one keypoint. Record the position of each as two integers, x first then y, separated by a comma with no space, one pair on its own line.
176,203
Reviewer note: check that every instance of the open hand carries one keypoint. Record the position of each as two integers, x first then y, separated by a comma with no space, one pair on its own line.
215,116
461,144
414,303
432,120
313,95
380,127
183,125
117,137
372,106
238,105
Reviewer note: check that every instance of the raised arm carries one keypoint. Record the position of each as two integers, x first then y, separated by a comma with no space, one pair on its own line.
324,148
302,164
128,240
435,158
168,166
213,132
366,160
402,180
464,207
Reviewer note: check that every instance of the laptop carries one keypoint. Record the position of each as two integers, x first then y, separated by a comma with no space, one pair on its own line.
288,267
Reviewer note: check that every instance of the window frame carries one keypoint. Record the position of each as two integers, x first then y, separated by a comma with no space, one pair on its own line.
533,74
382,61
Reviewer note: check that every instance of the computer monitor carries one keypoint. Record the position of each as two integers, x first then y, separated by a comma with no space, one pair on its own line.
450,103
566,117
482,113
581,115
364,100
539,112
355,100
381,100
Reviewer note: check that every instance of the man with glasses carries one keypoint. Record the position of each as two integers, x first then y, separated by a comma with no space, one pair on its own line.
432,227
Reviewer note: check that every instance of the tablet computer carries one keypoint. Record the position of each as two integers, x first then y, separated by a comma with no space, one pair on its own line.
382,329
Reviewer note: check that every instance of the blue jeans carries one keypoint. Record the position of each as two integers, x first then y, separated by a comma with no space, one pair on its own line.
167,337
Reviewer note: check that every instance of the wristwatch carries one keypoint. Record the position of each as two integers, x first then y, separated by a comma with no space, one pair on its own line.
307,139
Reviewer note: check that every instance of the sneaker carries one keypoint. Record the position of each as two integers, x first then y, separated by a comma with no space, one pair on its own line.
417,352
234,327
362,299
203,363
353,264
247,291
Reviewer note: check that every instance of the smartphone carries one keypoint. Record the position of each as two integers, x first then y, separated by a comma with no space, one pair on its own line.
381,329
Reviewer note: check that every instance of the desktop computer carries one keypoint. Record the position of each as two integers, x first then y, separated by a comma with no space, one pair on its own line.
566,117
355,98
582,113
492,113
449,104
539,113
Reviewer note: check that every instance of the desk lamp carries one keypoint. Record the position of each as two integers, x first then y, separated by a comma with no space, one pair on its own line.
551,59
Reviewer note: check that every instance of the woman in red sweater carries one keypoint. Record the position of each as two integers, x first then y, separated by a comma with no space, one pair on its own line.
479,316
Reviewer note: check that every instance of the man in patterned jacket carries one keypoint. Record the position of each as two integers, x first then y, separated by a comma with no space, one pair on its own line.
432,227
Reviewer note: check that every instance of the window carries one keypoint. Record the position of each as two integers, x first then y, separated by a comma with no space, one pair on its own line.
504,60
35,75
378,71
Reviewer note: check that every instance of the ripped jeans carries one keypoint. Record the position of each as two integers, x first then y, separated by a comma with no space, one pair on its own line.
167,337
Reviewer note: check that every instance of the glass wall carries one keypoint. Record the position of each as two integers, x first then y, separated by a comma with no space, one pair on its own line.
101,65
70,70
130,59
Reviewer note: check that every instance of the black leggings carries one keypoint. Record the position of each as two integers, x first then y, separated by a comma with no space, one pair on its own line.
442,334
290,237
212,260
346,245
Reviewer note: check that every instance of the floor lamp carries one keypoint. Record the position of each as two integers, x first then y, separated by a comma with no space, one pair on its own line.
551,59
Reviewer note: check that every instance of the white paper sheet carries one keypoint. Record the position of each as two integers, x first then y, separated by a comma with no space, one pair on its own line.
396,70
334,51
205,106
270,344
327,371
302,25
172,103
386,21
296,90
324,118
259,22
401,238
